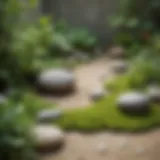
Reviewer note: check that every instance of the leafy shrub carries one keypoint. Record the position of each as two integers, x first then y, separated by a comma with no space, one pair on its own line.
137,24
31,45
61,45
139,33
17,117
144,71
66,40
22,48
15,122
81,39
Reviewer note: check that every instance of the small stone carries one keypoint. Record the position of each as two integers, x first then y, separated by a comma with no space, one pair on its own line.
97,94
133,102
47,138
117,52
56,80
120,67
49,115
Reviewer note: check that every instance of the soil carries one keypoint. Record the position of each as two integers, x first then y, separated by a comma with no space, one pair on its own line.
103,145
111,146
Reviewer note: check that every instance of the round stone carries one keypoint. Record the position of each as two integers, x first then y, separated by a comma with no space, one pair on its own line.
47,138
57,80
154,93
97,94
49,115
117,52
120,67
134,102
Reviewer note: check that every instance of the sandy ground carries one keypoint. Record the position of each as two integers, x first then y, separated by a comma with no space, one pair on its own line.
110,146
104,145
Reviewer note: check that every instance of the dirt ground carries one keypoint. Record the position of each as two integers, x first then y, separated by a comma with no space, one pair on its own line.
104,145
110,146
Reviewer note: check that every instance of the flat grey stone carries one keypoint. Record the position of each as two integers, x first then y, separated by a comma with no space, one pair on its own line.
47,138
97,94
134,102
120,67
56,80
49,115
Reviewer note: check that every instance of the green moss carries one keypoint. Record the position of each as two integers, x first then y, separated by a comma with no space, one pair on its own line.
106,115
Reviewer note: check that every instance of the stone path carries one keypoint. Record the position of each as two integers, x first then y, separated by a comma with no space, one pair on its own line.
88,77
104,145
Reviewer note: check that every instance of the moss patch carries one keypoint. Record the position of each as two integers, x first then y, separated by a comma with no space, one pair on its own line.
105,115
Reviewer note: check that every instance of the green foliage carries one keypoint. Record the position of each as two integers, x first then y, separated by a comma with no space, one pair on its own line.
15,122
17,117
137,24
61,46
67,40
139,33
82,40
31,45
144,72
22,47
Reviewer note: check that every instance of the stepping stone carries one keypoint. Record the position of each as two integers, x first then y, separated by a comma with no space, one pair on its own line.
97,94
117,52
56,80
50,115
47,138
120,67
133,102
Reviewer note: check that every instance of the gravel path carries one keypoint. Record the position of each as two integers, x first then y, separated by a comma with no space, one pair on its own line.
104,145
110,146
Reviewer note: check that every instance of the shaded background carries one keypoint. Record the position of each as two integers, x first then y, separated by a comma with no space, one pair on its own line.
92,14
